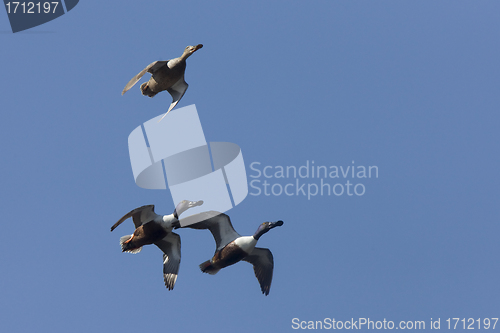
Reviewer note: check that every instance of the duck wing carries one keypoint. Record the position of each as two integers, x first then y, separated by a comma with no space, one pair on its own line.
218,223
263,263
139,215
177,90
151,68
171,247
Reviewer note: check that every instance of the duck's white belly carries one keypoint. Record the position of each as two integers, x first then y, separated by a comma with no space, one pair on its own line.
166,221
246,243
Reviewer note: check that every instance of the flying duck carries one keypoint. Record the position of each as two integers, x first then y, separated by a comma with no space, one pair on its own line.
165,75
152,228
232,247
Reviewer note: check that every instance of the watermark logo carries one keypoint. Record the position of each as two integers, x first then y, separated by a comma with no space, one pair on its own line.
175,152
28,14
310,180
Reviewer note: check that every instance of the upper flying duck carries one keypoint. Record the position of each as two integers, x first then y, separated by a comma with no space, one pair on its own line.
232,247
165,75
152,228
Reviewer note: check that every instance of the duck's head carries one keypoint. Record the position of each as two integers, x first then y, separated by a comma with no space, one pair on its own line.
185,205
265,227
190,50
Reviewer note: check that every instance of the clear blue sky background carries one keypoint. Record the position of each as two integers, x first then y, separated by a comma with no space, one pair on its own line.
411,87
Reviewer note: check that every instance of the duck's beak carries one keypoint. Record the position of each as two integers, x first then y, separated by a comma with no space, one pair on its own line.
275,224
196,203
185,205
197,47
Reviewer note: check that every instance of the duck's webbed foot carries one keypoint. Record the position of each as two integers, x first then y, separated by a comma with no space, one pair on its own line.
128,240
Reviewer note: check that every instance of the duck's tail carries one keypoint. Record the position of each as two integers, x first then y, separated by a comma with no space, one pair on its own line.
128,246
146,90
207,267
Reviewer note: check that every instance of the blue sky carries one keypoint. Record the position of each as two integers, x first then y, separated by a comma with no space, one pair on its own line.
410,87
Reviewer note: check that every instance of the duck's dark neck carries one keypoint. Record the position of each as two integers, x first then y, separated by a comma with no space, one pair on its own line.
175,215
259,233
